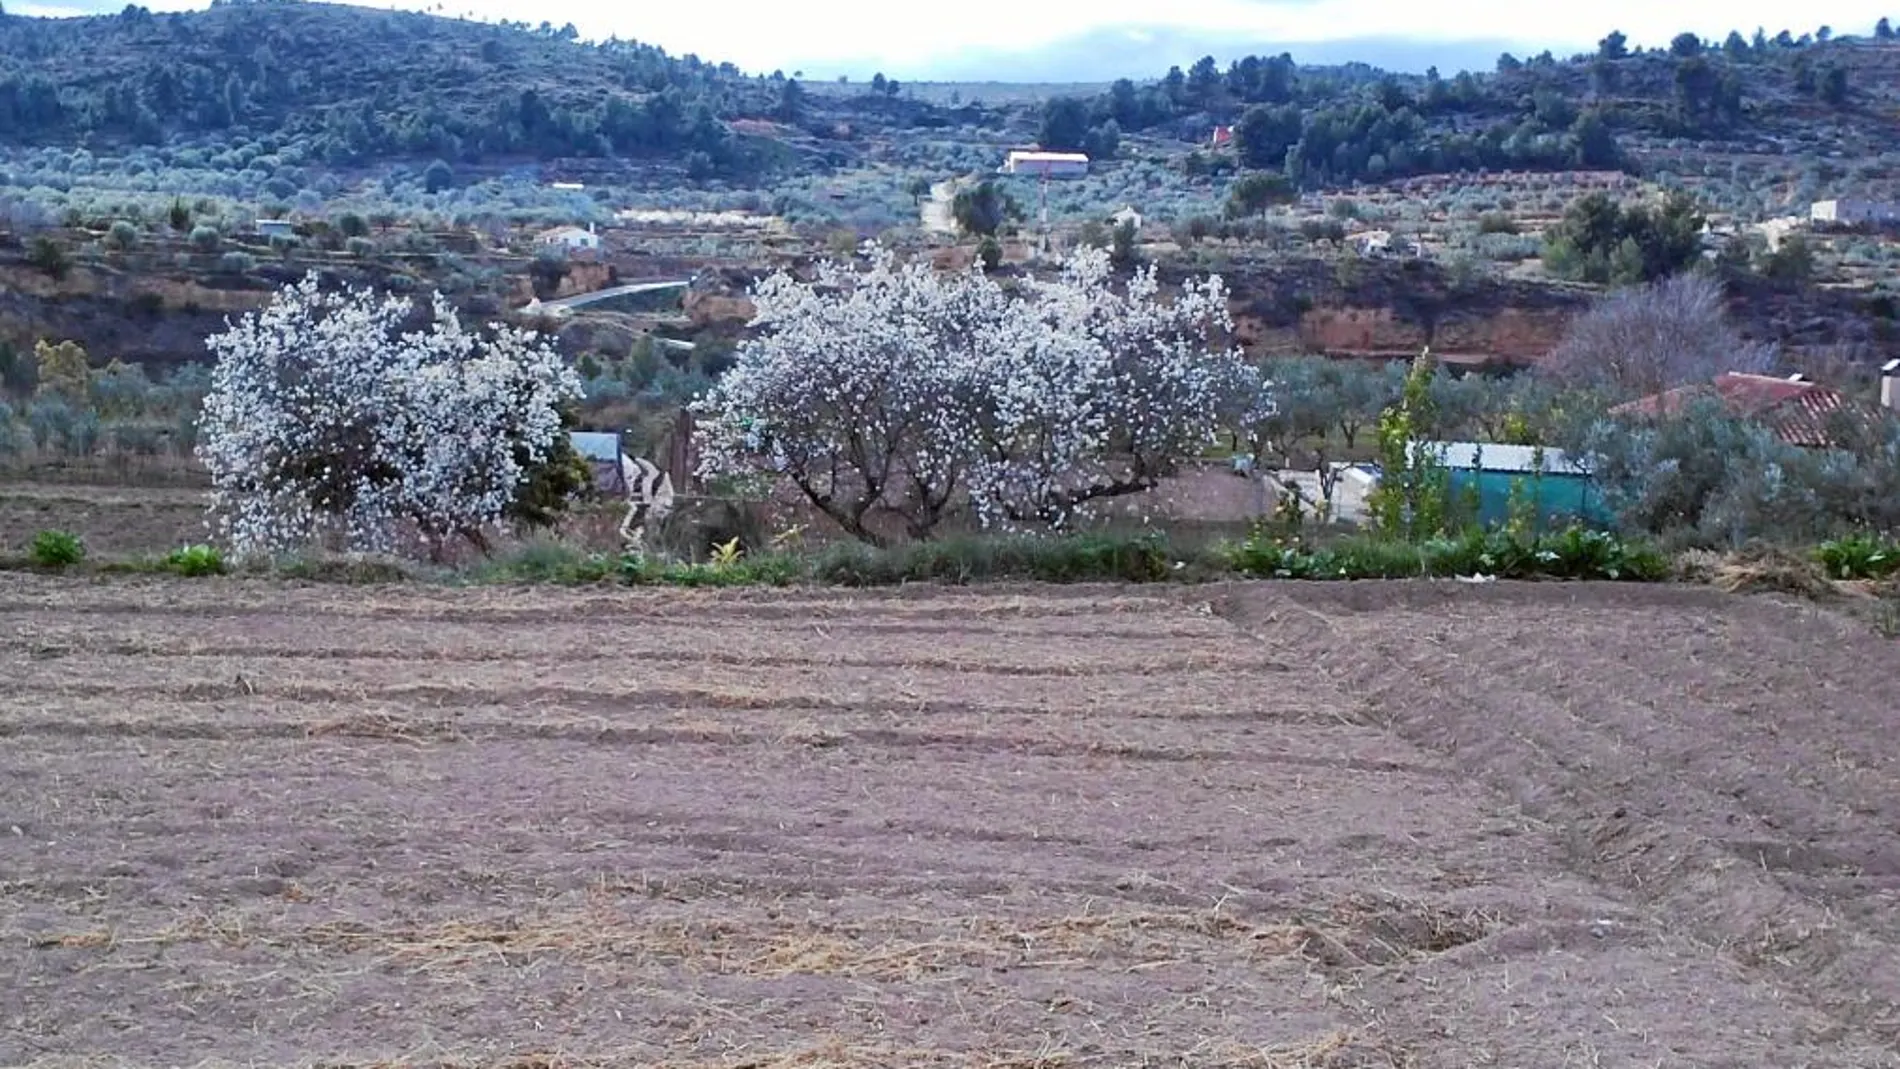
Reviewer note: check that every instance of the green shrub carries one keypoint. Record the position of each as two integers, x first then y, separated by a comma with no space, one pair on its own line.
57,549
549,562
51,257
1859,557
122,235
1706,477
1496,223
1079,558
367,569
763,570
195,561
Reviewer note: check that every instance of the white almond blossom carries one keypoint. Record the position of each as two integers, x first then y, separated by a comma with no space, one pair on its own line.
324,423
898,389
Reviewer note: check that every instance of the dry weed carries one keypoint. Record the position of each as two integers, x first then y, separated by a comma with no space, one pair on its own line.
1757,569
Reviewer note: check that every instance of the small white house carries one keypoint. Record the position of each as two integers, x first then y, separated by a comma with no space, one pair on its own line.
275,228
1852,212
1046,164
1371,243
569,237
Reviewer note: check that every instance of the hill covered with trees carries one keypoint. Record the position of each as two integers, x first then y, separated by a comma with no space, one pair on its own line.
1332,126
353,85
347,86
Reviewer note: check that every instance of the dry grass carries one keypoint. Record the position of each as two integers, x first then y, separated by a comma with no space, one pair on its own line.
1756,570
1329,1050
1337,1049
1353,934
1776,571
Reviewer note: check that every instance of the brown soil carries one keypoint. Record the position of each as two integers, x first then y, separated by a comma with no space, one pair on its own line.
1253,825
111,520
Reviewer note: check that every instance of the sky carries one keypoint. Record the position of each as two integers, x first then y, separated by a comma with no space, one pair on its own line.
1086,40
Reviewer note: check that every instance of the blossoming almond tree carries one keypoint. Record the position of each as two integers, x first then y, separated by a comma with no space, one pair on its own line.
323,421
1104,392
900,390
853,393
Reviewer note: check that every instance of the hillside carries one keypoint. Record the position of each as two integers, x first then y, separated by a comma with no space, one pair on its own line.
329,86
138,151
348,85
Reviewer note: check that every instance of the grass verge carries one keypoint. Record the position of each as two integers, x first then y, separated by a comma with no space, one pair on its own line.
1138,558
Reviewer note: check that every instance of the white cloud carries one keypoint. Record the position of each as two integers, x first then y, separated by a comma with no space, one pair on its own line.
908,40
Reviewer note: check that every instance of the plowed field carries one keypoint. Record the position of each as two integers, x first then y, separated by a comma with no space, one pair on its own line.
1254,825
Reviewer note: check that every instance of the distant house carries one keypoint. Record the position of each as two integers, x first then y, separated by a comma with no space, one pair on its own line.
1372,242
1128,215
1854,212
1223,137
1383,243
276,228
569,237
1796,410
1046,164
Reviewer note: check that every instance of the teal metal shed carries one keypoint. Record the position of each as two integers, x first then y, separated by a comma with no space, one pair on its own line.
1559,486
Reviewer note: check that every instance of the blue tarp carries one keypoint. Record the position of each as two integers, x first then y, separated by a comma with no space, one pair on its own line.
1559,498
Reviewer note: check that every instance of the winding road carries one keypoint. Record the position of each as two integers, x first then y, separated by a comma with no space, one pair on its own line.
569,303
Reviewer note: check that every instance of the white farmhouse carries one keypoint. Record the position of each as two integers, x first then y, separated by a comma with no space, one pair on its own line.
569,237
1046,164
1853,212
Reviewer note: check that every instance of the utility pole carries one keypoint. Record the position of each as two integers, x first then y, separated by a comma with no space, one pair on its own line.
1042,196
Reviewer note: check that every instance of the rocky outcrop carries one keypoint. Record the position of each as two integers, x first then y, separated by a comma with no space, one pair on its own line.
711,309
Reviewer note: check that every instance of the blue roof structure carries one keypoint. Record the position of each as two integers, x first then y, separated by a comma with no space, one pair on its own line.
602,446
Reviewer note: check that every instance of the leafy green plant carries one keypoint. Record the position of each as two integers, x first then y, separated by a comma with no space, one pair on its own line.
1859,557
57,549
1574,553
1578,553
726,554
195,561
1413,499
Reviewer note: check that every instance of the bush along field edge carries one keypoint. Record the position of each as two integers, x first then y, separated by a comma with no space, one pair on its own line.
1267,552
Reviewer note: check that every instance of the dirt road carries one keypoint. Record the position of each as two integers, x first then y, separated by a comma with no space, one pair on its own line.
936,215
1251,825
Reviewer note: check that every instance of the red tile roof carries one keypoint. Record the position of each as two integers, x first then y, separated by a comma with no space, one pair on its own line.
1796,411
